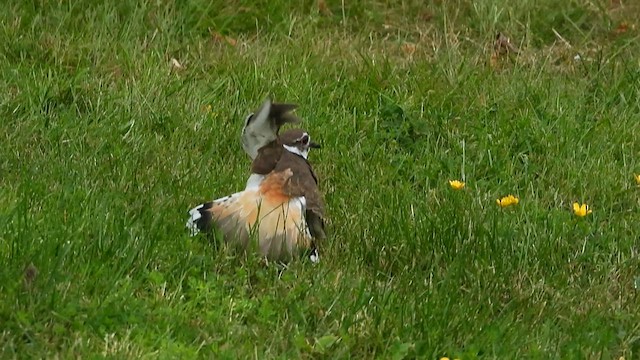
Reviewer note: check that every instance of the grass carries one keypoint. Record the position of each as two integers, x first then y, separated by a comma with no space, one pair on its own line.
106,145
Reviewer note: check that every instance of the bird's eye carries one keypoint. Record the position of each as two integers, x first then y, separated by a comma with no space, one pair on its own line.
305,140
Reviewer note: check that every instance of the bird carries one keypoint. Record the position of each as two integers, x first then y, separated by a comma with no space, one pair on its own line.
281,204
261,142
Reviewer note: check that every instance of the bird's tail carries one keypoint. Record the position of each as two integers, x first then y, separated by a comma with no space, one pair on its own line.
278,222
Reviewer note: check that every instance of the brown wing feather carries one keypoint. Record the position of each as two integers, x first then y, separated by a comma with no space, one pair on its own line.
281,114
269,154
267,158
304,182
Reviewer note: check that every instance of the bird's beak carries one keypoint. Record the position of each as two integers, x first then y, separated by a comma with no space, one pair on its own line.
314,145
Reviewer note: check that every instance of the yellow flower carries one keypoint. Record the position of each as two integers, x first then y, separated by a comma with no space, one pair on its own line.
581,210
508,201
637,178
456,185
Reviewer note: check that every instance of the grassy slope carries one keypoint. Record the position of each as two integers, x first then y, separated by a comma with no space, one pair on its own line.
105,146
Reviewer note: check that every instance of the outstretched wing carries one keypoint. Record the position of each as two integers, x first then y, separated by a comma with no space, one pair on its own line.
261,128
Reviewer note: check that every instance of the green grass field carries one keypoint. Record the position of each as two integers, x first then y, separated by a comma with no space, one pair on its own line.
116,117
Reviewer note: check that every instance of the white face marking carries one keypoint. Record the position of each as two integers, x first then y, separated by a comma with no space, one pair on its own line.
304,152
293,149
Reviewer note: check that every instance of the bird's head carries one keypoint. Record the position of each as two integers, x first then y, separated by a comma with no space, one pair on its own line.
298,142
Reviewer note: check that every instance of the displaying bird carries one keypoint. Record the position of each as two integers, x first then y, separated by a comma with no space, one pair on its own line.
281,205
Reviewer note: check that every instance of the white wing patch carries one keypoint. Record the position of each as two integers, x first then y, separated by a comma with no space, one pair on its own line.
300,201
315,256
254,181
194,215
246,120
258,131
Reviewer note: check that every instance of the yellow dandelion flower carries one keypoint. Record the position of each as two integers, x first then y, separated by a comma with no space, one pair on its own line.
508,201
581,210
456,185
637,179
